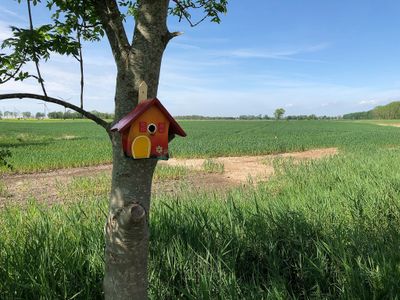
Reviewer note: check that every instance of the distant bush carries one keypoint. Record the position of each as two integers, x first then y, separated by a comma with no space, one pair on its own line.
4,155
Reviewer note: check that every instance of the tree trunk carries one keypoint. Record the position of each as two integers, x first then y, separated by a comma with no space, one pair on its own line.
126,230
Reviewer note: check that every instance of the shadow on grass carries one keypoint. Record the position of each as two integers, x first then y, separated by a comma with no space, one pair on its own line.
22,144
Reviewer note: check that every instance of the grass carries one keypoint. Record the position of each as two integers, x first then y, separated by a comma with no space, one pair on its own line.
3,189
234,138
326,229
45,145
295,237
212,166
170,172
90,188
98,185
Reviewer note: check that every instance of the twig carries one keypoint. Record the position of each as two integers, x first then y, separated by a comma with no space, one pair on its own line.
35,59
80,64
183,9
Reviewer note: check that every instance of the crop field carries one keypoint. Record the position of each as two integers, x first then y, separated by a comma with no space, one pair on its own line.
46,145
319,229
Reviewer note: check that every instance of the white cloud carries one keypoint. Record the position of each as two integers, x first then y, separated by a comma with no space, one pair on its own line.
184,46
190,39
279,54
12,14
364,102
5,31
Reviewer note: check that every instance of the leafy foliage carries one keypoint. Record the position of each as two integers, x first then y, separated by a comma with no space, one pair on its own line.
30,45
71,16
69,19
4,154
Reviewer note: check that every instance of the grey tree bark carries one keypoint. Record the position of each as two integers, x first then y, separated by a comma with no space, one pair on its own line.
126,230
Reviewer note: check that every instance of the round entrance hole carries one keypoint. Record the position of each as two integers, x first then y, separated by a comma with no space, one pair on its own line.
152,128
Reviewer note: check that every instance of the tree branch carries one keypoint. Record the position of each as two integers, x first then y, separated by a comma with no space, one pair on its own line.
185,13
111,19
170,36
35,59
80,65
175,34
87,114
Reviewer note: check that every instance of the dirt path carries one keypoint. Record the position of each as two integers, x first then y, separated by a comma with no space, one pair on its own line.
237,170
241,168
389,124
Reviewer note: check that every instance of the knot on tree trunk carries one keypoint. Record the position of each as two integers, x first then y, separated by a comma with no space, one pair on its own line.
126,226
132,215
137,213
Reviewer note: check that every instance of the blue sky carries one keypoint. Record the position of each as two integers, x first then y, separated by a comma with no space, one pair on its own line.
309,57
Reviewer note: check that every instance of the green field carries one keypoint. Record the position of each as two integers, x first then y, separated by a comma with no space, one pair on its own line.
323,229
46,145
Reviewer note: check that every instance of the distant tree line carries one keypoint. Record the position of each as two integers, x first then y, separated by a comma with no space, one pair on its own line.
312,117
14,114
389,111
52,115
74,115
256,117
198,117
9,114
242,117
259,117
278,115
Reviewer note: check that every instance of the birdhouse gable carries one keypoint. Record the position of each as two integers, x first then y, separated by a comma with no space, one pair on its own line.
140,109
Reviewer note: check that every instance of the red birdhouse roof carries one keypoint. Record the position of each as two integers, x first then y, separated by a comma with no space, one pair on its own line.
126,121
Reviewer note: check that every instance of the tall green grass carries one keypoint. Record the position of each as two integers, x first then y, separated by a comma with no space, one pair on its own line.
297,236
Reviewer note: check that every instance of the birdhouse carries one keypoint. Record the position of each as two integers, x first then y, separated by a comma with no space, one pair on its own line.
145,130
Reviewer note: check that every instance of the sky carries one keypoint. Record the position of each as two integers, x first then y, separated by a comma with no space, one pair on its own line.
308,57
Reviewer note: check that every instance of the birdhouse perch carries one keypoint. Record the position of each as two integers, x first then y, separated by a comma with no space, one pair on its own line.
145,130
